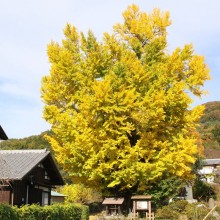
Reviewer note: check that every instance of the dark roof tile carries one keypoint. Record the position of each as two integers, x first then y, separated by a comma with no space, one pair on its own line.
15,164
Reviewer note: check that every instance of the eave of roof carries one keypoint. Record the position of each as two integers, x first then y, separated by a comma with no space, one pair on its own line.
113,201
3,136
141,197
207,162
16,164
56,194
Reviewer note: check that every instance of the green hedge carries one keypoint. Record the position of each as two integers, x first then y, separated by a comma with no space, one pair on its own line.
8,213
53,212
85,212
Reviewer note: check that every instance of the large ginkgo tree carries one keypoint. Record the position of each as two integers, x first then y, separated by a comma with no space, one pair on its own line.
121,108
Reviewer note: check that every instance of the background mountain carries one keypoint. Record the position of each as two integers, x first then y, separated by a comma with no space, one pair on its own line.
209,131
32,142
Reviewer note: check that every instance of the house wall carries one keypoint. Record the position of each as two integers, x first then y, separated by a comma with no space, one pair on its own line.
34,188
57,199
208,173
5,196
19,192
207,170
40,175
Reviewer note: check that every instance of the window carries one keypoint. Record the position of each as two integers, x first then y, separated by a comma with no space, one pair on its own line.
45,198
46,176
40,165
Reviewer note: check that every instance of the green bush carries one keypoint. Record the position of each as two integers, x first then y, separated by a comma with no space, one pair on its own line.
53,212
202,191
177,209
179,205
7,212
166,212
30,212
195,211
85,212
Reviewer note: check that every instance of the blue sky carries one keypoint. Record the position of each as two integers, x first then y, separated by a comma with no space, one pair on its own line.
28,26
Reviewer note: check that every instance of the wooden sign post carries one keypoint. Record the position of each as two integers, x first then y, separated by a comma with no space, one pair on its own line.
142,203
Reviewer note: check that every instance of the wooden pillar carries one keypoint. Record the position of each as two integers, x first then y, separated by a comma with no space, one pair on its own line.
12,198
49,197
106,209
149,209
119,210
27,196
134,210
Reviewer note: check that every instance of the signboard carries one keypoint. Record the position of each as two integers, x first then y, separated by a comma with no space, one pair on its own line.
142,205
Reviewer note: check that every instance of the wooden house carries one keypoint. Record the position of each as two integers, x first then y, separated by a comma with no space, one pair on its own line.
27,177
210,170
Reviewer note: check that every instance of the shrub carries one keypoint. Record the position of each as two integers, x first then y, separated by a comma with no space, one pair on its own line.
53,212
179,205
165,189
197,211
166,212
30,212
7,212
202,191
72,212
181,209
85,212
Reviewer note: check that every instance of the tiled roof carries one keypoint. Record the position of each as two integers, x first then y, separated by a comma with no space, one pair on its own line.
15,164
113,201
208,162
56,194
3,136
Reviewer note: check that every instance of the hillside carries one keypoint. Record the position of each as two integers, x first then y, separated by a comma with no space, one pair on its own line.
209,130
32,142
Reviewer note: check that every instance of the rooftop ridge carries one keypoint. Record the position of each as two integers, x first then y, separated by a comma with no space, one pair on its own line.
24,151
213,159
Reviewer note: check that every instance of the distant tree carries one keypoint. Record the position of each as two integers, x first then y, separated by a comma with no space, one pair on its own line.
120,109
209,129
216,133
78,193
165,189
202,191
32,142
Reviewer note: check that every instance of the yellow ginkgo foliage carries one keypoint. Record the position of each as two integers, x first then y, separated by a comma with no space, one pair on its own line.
120,109
78,193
